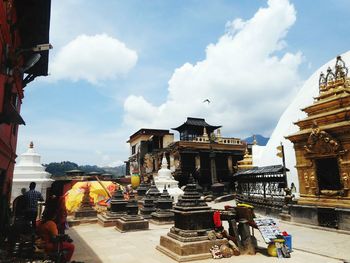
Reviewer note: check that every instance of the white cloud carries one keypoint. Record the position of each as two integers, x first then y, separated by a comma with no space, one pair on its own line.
247,83
93,58
76,142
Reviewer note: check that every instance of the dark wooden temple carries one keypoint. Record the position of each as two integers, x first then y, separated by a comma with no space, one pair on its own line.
202,152
193,128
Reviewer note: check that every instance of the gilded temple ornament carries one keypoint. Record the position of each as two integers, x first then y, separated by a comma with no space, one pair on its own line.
322,82
321,142
330,77
341,71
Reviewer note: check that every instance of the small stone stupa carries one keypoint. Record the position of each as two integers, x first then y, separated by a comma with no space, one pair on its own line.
116,209
188,238
142,189
165,178
85,210
29,169
163,213
148,207
132,221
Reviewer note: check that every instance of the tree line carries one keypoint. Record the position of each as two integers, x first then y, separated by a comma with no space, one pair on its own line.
60,168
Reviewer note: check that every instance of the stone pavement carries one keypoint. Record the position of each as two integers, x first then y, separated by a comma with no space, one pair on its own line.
95,244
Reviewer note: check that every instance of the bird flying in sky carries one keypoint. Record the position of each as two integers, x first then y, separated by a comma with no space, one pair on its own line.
206,100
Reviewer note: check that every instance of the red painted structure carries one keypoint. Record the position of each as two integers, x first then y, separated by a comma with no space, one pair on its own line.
24,24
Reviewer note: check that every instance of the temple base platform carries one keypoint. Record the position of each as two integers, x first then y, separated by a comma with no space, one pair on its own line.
134,223
187,251
162,218
108,220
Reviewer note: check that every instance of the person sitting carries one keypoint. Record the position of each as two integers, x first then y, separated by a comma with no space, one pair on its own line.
56,202
48,232
19,205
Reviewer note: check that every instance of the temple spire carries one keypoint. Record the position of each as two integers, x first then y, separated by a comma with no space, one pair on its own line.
255,142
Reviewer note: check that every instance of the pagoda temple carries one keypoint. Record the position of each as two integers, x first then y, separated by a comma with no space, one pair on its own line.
322,153
193,128
203,152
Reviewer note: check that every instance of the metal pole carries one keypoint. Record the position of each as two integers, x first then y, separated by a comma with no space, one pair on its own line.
284,167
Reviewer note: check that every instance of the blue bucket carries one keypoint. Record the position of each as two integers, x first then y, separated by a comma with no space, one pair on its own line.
288,242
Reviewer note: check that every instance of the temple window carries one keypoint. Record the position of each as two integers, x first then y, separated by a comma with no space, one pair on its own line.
328,174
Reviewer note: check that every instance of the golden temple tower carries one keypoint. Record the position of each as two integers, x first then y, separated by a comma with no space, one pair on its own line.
322,152
247,162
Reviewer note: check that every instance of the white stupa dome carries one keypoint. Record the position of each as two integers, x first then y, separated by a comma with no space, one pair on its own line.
29,169
165,178
286,127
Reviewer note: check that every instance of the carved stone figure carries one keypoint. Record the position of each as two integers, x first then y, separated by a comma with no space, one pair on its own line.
312,183
345,180
321,142
148,163
306,181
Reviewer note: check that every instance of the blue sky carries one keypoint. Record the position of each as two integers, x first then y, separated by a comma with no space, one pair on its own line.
118,66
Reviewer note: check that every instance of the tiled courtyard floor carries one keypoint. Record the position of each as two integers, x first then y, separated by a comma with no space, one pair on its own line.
95,244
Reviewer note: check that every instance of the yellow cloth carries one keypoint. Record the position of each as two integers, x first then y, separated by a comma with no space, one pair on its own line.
97,193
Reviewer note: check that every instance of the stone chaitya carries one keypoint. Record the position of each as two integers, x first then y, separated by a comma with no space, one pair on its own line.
116,209
85,210
148,206
163,214
132,221
322,153
188,238
165,178
149,202
142,189
153,191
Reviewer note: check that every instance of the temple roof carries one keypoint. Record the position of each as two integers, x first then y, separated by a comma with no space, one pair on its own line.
195,123
34,24
271,169
143,131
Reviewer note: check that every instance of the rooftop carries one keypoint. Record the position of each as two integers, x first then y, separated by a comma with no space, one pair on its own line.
195,122
144,131
34,23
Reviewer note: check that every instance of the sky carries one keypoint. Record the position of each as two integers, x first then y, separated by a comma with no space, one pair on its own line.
118,66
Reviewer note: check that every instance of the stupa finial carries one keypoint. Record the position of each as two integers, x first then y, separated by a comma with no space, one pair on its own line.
255,142
164,162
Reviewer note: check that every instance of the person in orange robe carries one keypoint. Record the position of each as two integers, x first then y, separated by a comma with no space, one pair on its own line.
48,231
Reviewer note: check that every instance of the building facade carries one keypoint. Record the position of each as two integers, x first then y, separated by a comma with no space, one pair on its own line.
201,151
24,29
205,154
145,144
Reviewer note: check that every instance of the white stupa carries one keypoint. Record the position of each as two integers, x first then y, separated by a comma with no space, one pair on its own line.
285,125
29,169
165,178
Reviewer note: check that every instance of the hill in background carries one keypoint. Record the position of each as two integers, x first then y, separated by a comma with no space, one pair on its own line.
260,139
59,169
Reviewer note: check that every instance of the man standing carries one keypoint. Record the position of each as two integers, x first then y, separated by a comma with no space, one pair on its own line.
32,197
